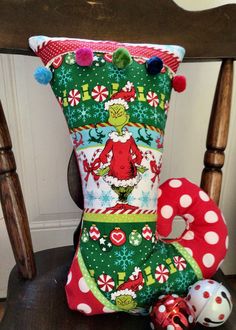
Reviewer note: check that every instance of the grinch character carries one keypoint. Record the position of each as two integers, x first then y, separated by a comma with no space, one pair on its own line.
125,295
121,157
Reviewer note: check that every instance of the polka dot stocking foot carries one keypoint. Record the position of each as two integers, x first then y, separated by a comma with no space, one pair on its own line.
205,237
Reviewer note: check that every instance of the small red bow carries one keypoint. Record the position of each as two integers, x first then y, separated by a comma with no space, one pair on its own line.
91,168
156,169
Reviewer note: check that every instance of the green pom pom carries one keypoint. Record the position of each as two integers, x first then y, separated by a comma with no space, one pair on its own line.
121,58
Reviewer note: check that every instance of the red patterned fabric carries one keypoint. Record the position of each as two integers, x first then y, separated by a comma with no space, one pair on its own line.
206,235
57,47
79,296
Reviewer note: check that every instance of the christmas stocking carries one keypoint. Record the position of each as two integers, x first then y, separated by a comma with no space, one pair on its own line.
115,98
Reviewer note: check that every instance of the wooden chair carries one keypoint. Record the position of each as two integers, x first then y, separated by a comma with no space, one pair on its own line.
37,300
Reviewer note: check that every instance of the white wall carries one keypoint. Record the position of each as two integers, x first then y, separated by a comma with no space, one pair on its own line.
42,149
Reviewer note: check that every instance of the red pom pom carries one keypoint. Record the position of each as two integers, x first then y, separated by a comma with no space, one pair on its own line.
179,83
84,56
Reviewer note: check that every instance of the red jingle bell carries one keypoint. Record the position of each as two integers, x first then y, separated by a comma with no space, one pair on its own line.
172,312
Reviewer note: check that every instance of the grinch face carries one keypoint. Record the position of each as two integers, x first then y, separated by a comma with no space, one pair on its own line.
126,302
118,116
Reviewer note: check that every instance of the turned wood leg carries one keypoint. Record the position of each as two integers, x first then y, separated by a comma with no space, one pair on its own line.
13,205
218,132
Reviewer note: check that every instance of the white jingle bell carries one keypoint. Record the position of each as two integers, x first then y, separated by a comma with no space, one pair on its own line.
211,302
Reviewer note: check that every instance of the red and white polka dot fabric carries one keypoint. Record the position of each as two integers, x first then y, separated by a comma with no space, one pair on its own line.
79,296
206,235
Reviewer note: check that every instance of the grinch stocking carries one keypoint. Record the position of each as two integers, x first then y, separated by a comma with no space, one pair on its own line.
115,98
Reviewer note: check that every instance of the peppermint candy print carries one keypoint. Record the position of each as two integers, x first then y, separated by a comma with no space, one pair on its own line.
162,273
180,263
74,97
60,100
99,93
152,99
105,283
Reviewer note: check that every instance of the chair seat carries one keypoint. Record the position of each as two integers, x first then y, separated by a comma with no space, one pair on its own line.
41,303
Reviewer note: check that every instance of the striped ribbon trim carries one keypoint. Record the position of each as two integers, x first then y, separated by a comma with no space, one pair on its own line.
119,218
90,126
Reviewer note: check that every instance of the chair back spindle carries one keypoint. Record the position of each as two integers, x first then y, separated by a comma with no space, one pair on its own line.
218,132
13,205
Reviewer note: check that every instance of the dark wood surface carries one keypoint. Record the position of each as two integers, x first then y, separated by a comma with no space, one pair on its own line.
218,130
41,303
13,205
210,34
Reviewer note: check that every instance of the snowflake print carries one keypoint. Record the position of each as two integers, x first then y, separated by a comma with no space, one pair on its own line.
148,296
156,117
90,198
144,199
139,111
64,76
164,83
100,112
124,258
106,199
107,295
83,113
115,73
70,116
161,248
168,287
184,279
132,199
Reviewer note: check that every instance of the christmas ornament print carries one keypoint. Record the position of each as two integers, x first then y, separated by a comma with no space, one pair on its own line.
85,236
70,58
135,238
162,273
118,236
105,244
94,232
99,93
105,283
74,97
108,57
57,62
152,99
98,60
147,232
180,263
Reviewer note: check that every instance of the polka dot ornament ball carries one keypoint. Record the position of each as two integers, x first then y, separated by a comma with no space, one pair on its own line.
210,301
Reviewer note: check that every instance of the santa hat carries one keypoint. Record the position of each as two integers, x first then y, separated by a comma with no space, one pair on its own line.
125,95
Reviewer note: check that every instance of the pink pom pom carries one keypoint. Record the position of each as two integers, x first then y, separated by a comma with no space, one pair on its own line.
179,83
84,56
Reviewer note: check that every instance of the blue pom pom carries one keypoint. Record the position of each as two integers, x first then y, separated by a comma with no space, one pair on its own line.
154,65
43,75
